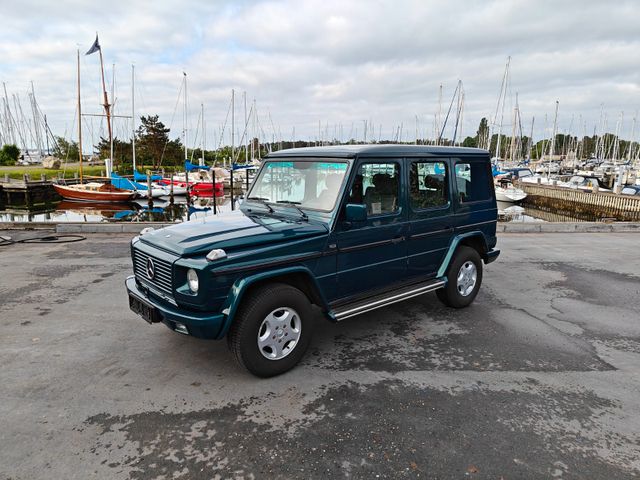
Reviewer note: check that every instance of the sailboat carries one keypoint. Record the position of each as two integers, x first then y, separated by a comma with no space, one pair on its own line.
93,191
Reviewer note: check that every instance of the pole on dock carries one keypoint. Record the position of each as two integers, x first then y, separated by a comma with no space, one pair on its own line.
171,190
231,184
213,175
186,176
149,194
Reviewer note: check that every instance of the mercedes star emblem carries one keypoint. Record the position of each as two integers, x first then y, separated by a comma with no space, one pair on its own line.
151,269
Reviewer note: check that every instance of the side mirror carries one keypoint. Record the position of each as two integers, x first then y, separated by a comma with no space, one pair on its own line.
355,212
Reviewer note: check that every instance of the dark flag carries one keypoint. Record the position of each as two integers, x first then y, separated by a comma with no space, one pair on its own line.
95,47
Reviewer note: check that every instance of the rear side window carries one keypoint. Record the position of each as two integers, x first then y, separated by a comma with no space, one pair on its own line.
428,183
377,185
474,181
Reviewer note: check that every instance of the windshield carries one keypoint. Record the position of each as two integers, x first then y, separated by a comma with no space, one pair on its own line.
308,184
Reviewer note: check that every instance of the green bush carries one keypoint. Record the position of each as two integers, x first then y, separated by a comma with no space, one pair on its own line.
9,155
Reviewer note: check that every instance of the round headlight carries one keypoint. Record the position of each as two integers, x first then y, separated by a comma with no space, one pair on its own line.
192,280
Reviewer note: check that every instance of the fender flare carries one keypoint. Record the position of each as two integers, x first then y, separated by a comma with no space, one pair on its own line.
241,285
442,271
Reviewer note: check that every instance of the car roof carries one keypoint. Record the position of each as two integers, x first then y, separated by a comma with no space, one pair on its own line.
386,150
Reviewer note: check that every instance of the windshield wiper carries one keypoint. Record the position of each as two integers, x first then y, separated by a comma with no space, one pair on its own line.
294,205
262,201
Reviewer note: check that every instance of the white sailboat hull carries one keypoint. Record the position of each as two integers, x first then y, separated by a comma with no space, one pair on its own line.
155,192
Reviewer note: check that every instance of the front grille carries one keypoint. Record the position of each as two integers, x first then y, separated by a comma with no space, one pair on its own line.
162,278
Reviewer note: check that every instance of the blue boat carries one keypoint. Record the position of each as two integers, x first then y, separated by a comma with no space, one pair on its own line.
142,189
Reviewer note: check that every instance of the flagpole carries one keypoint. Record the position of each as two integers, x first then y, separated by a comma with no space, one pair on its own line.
79,120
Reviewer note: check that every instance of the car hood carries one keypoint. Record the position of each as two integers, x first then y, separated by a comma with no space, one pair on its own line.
230,231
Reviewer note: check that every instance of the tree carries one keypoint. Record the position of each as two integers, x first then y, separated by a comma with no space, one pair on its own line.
153,140
470,142
482,136
66,150
9,154
122,153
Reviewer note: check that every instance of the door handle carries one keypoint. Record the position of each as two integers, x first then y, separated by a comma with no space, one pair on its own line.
397,240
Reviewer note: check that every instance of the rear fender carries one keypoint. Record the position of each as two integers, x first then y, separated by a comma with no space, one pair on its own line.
477,237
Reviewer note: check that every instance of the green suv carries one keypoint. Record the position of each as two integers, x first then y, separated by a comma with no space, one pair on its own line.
348,229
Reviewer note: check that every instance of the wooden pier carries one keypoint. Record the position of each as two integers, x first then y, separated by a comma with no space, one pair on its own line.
27,192
568,201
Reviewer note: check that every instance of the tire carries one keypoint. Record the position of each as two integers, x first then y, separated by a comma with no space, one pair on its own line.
267,321
461,294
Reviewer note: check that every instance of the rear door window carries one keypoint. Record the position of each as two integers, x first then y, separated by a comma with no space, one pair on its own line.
473,181
428,185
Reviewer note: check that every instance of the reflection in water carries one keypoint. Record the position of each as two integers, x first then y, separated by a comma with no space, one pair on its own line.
508,212
68,211
164,211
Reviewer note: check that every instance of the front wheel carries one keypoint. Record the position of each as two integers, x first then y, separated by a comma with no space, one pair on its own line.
272,330
464,277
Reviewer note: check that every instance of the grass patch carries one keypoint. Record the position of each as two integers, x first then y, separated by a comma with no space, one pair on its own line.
35,173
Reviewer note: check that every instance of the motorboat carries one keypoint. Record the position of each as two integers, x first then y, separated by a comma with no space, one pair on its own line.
507,192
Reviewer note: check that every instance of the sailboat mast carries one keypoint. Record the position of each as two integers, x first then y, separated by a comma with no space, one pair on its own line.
133,117
79,120
184,117
633,134
113,95
553,138
204,132
246,137
233,127
533,121
107,107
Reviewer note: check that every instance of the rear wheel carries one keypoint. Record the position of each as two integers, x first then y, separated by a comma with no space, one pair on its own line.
272,329
464,277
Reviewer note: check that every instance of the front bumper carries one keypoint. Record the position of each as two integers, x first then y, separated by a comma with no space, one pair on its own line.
198,324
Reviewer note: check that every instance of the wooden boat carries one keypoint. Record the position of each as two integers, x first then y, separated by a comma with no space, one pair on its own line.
94,192
106,210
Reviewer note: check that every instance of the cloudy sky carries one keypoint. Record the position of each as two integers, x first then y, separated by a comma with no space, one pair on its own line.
334,62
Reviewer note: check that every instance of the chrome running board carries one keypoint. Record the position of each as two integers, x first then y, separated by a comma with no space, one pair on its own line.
356,308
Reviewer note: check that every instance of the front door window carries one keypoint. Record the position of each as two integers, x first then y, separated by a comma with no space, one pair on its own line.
377,185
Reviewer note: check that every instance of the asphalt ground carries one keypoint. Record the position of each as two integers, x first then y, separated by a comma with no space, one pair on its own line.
539,378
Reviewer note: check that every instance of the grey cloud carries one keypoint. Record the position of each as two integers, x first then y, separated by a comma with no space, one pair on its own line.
333,61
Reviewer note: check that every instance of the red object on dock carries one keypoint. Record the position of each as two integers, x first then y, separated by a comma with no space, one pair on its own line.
205,189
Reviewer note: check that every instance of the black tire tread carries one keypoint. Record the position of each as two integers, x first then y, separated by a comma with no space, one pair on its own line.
250,301
449,294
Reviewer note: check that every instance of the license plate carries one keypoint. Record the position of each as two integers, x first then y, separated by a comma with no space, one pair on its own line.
145,310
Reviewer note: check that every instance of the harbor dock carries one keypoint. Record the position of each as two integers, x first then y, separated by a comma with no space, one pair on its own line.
26,192
595,204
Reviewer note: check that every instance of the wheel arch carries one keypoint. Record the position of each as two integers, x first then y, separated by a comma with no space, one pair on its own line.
475,240
299,277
